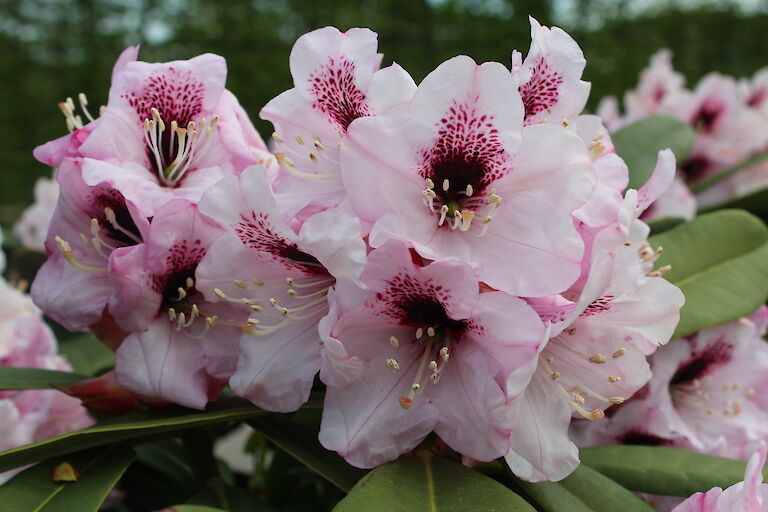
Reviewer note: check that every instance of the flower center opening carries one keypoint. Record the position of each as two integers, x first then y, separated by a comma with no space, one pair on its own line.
435,331
693,386
174,150
706,117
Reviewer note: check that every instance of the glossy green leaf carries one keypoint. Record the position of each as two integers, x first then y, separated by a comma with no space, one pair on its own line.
755,202
584,490
301,442
431,484
664,224
36,378
191,508
228,498
34,491
663,470
140,425
87,355
162,457
720,262
639,144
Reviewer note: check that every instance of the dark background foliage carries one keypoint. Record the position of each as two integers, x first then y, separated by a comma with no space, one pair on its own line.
56,48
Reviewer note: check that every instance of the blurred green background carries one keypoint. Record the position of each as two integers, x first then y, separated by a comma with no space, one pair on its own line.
56,48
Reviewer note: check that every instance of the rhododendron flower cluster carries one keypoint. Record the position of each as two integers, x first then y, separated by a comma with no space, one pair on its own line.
730,121
457,256
26,341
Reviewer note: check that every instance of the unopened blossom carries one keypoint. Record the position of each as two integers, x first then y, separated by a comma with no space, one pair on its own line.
26,341
705,394
336,79
437,354
168,130
550,81
32,227
73,286
182,347
281,278
457,175
751,495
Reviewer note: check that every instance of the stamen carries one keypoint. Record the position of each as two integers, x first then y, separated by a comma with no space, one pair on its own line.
66,252
393,365
614,379
446,185
299,139
470,190
622,351
394,341
597,359
419,333
431,332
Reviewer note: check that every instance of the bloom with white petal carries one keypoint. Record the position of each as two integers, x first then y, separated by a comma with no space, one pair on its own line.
550,76
89,223
281,278
437,354
181,347
32,227
457,175
336,80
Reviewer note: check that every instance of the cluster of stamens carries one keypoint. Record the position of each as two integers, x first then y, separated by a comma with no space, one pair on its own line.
462,212
436,348
648,255
95,241
191,143
75,121
700,394
315,154
187,320
576,395
308,292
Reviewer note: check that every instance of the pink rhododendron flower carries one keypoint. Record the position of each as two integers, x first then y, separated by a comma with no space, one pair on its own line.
182,348
89,223
551,87
437,354
169,130
32,227
751,495
595,359
659,86
281,277
336,80
704,395
676,202
458,176
26,341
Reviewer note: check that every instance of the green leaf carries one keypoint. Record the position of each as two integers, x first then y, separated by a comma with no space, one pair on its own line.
301,442
584,490
664,224
12,377
140,425
663,470
228,498
720,262
34,491
755,202
432,484
162,458
191,508
87,355
639,144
